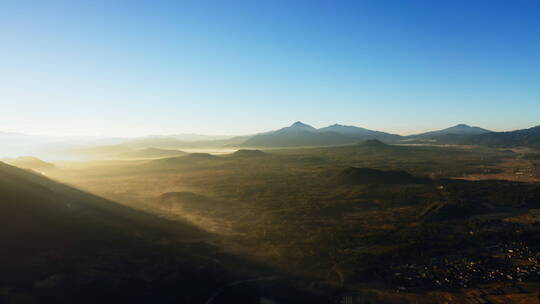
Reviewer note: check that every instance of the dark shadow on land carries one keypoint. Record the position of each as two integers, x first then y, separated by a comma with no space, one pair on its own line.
64,245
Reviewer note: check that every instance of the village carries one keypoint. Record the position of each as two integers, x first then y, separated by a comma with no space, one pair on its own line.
508,262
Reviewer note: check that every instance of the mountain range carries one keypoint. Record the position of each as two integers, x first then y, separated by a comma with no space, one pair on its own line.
461,129
301,134
525,137
298,134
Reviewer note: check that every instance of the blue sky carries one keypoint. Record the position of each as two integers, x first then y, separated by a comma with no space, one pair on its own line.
129,68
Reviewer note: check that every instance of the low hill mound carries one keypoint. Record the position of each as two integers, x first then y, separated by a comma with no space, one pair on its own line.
200,156
373,143
354,176
248,153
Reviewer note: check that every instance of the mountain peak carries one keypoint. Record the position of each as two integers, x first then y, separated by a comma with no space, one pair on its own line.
459,129
300,124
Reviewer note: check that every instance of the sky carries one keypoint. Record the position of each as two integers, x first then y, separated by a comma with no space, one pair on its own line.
134,68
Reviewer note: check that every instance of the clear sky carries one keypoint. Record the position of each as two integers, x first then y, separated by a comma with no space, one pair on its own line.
128,68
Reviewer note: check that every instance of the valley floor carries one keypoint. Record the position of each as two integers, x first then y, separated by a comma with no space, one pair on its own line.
305,213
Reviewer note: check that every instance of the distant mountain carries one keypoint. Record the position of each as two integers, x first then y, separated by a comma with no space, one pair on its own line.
466,135
97,152
171,142
151,153
164,142
229,142
300,126
525,137
461,129
297,135
16,144
199,137
359,133
300,134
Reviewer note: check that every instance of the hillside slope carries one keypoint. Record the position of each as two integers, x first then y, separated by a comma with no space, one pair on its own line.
360,133
525,137
29,162
62,245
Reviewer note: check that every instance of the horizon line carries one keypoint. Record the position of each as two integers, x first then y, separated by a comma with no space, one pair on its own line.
172,134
